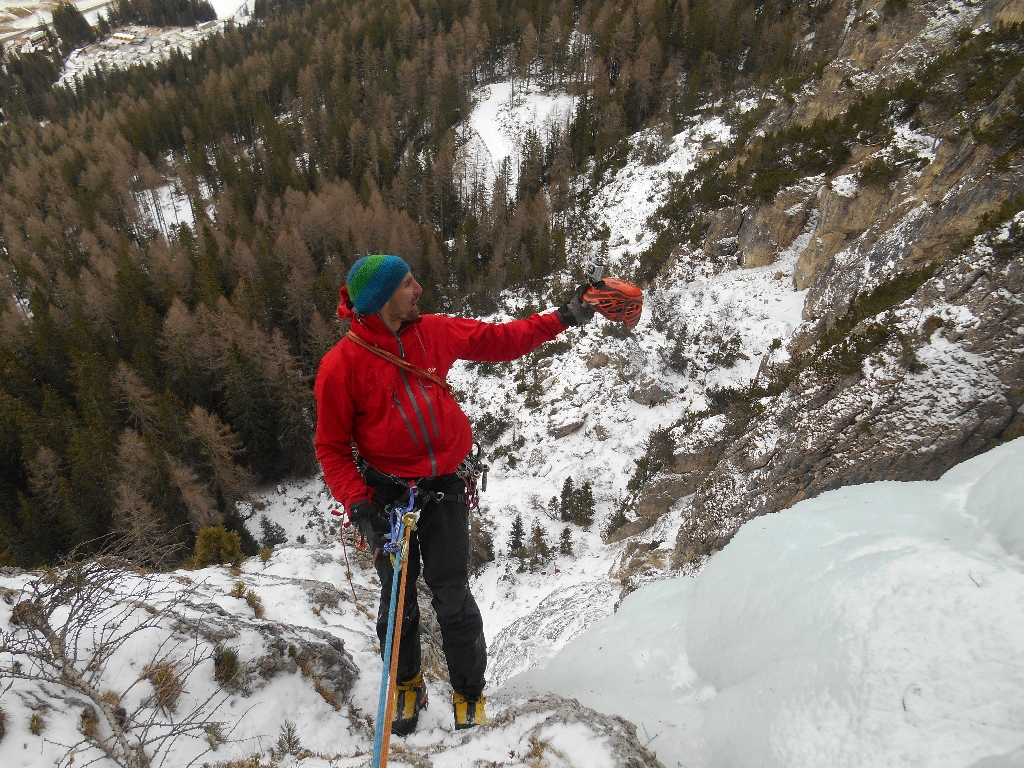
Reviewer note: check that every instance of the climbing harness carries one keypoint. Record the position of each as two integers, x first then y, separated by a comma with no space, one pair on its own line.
403,519
473,472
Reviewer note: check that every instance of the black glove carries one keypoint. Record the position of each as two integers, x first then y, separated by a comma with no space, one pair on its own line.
370,521
574,312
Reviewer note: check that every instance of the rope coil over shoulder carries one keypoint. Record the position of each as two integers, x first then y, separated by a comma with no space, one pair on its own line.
406,366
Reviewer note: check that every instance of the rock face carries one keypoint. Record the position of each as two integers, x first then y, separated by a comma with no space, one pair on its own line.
317,655
927,378
944,379
617,734
772,228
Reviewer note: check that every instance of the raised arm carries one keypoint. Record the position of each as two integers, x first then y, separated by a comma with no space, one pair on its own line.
497,342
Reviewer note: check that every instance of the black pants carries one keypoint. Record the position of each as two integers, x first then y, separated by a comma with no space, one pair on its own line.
440,543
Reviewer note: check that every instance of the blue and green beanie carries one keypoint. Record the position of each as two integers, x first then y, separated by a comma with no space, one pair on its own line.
373,280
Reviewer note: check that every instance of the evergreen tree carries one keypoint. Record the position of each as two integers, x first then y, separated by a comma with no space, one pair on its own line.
583,505
71,26
517,538
538,549
565,503
565,542
481,543
271,534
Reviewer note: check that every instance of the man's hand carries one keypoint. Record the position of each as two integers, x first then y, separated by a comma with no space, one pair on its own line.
370,521
574,312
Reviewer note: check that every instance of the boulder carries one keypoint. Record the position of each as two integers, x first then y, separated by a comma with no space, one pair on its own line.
564,423
723,229
770,229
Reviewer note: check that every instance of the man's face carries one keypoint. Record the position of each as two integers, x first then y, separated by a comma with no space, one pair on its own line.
401,307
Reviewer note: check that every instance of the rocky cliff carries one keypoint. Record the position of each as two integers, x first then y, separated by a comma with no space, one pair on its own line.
910,357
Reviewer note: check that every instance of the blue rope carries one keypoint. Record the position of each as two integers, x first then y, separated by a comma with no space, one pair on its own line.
394,549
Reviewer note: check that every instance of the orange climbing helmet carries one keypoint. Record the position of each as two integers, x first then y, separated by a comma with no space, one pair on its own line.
615,299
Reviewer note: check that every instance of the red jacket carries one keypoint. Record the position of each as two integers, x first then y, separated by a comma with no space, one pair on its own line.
400,423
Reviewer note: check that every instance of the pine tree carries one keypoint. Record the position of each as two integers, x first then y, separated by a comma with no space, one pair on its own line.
565,505
517,538
538,549
481,543
71,26
271,534
583,506
565,541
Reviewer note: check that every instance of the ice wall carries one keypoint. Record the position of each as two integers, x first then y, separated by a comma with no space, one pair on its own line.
876,625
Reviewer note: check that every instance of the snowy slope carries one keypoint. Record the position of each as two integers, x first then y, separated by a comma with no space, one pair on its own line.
503,112
872,626
590,422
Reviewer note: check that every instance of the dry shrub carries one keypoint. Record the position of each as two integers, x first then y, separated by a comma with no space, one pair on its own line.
266,553
245,762
89,723
214,735
36,723
3,723
255,603
238,590
328,695
167,684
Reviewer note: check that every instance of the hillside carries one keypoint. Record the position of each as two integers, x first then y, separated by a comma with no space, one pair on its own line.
822,202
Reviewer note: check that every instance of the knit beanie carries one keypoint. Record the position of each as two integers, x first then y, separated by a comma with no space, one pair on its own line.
373,280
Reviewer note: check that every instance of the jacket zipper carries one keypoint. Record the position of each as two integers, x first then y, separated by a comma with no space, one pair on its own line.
430,409
405,418
416,410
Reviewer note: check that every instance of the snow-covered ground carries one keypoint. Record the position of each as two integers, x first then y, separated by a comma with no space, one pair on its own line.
872,626
496,129
165,208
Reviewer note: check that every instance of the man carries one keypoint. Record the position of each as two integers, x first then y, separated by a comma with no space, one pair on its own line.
407,426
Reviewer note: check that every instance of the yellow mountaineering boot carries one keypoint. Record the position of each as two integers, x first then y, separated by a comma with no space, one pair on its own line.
469,712
410,698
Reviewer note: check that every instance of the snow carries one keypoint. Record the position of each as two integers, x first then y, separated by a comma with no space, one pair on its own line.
502,114
845,185
915,143
165,208
871,626
232,9
636,191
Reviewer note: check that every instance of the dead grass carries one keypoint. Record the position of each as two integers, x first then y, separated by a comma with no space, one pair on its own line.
327,694
167,684
89,724
36,724
214,735
255,603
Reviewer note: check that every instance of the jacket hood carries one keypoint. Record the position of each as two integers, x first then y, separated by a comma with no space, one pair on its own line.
346,309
